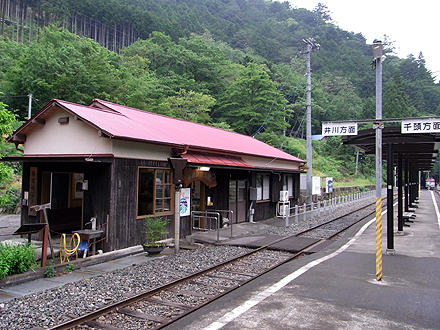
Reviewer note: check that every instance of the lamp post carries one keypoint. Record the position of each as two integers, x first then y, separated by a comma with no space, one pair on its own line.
377,49
178,164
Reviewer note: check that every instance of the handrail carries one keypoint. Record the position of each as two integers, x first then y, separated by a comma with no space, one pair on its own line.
209,215
230,218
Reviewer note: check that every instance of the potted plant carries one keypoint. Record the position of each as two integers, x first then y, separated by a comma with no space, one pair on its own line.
155,227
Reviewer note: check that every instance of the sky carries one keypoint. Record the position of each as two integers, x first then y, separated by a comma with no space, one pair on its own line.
412,26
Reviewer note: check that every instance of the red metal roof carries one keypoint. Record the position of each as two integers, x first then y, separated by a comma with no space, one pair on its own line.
122,122
215,160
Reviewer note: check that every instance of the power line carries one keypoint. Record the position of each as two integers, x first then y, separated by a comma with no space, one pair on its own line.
266,120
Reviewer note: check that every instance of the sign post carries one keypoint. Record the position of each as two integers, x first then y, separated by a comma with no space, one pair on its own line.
408,126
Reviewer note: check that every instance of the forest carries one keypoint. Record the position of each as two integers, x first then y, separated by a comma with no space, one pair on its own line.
234,64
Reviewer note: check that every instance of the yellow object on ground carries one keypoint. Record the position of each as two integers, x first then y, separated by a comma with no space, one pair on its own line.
66,250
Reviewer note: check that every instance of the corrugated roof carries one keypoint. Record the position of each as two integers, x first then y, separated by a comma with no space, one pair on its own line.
122,122
210,159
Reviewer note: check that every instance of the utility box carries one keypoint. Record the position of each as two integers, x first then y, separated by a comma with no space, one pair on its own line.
284,196
253,194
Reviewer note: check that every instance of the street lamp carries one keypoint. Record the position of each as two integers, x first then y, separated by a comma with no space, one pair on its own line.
377,49
178,164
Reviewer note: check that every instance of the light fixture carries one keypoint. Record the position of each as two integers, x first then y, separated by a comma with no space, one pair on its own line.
377,49
204,168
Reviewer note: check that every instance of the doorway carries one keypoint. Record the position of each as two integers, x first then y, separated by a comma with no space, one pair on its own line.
64,191
198,196
237,199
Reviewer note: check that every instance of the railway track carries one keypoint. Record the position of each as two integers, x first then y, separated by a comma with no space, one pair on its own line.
335,227
163,305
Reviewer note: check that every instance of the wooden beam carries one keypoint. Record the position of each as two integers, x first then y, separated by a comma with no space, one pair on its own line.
38,121
20,138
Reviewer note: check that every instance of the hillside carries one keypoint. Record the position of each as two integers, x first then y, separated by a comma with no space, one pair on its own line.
233,64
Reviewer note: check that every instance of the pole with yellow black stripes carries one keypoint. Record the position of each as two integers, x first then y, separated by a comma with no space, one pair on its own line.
377,49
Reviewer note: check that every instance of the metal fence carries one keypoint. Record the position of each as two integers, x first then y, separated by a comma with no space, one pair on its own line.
323,207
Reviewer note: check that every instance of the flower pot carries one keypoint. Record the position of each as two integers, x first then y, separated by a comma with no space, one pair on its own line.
153,249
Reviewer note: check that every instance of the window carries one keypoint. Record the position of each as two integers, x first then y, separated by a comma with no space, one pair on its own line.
263,187
288,184
154,191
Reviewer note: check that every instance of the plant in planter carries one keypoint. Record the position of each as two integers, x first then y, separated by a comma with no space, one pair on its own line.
155,227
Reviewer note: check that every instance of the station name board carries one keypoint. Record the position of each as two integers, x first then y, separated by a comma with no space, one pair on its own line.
429,125
333,129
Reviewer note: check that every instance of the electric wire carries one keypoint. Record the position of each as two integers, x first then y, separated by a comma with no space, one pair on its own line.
266,120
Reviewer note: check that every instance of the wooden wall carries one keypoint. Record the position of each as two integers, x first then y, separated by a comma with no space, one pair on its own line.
124,228
112,195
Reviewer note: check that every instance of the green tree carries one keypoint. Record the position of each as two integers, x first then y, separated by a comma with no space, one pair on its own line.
63,65
395,99
7,120
250,102
140,88
188,105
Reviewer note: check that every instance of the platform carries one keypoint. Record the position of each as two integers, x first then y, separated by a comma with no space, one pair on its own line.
334,288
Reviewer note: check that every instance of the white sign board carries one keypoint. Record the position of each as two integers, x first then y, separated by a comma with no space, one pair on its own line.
333,129
429,125
316,185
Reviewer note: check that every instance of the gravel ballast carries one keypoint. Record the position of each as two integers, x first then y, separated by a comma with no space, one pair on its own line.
53,306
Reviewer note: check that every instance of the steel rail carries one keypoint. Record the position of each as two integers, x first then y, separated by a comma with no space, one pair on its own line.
190,309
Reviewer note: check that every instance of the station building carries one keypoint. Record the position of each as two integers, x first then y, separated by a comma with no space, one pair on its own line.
111,163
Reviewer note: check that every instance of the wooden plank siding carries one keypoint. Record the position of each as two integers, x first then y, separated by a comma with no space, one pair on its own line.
113,188
125,229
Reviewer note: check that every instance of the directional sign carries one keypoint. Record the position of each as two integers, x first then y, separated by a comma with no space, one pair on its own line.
332,129
421,125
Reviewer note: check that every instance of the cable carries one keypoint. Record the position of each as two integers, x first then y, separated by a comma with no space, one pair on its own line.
267,119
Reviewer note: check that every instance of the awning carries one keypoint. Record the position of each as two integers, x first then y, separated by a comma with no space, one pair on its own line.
212,159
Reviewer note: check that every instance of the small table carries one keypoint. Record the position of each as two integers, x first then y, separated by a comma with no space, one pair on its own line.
29,228
32,228
88,234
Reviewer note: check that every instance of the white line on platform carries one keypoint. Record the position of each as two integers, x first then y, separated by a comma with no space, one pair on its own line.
256,299
436,208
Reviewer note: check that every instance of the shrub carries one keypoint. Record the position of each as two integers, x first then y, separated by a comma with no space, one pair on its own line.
70,268
155,227
16,259
9,199
50,269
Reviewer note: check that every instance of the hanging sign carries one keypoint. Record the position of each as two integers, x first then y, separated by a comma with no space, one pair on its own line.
428,125
333,129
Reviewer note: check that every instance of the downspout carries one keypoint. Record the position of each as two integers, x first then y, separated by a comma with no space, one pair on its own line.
16,147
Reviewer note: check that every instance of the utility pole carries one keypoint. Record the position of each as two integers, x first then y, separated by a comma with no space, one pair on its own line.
310,45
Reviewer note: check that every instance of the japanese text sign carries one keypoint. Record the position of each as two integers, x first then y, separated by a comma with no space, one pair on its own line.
330,129
428,125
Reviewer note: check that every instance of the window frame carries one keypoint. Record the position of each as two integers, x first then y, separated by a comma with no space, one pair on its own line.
287,178
165,184
265,180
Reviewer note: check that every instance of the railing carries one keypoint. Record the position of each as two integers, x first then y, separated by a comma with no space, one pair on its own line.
322,207
212,220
